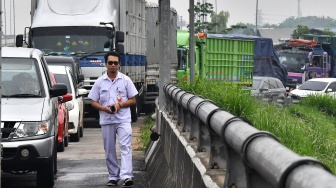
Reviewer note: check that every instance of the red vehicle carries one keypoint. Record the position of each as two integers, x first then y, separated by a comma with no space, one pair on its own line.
63,119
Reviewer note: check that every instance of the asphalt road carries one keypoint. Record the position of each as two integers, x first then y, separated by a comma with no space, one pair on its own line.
82,164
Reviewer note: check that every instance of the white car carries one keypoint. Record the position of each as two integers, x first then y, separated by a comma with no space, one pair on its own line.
64,74
315,86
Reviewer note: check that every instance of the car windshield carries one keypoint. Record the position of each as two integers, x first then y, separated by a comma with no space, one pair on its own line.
19,77
63,78
313,86
255,84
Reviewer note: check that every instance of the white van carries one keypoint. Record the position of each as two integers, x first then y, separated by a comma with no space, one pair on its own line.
29,107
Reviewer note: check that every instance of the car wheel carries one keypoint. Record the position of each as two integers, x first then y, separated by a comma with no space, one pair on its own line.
66,141
61,146
45,173
81,130
75,137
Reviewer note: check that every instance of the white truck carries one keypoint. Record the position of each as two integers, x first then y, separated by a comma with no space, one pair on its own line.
88,29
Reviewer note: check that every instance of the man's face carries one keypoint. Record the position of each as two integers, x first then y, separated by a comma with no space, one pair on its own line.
111,65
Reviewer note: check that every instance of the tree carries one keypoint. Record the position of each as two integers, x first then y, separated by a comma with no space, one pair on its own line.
240,28
327,31
220,21
310,21
202,10
299,31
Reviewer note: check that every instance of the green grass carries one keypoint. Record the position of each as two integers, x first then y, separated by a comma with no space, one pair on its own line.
144,137
307,128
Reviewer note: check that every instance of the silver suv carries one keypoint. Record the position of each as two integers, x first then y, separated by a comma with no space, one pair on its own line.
29,107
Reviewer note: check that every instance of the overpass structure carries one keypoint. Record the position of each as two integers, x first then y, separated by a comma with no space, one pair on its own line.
201,145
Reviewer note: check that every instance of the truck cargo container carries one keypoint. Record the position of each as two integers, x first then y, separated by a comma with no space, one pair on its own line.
231,58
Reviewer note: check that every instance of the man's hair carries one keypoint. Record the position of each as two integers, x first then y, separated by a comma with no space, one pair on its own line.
112,53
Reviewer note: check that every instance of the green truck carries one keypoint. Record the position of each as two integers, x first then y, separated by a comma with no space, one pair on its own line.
229,58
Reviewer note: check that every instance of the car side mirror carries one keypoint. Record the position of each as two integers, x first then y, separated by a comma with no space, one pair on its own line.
67,97
329,90
82,92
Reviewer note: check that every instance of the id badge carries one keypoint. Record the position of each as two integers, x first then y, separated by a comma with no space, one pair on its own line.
119,97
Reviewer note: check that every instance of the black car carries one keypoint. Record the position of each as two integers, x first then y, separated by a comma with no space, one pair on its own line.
72,62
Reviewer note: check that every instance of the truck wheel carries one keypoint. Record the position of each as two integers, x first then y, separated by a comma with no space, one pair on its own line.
134,114
45,174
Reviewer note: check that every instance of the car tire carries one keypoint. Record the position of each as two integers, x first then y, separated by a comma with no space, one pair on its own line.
75,137
81,130
45,173
66,141
61,146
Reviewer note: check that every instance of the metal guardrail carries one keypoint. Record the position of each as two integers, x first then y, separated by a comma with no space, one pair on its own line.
248,157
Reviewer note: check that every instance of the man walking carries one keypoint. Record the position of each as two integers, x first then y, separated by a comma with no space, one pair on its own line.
112,94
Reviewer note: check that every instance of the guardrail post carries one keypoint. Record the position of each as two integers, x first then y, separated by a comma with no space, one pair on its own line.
187,118
175,103
180,117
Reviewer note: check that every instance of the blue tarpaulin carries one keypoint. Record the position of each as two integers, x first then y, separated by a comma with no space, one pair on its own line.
266,61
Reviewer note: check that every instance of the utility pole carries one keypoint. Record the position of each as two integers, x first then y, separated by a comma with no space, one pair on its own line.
14,21
299,13
5,12
256,26
0,76
191,40
216,16
164,38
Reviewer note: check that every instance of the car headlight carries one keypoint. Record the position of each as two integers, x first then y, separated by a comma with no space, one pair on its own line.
29,129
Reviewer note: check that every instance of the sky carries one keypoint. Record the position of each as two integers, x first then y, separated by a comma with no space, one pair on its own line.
273,11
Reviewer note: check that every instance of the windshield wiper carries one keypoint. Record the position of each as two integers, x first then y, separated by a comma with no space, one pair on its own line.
22,95
93,53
